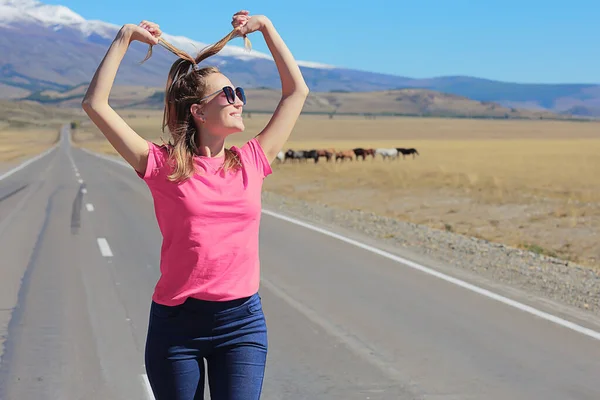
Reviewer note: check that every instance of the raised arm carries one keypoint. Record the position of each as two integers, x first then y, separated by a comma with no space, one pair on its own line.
131,146
293,88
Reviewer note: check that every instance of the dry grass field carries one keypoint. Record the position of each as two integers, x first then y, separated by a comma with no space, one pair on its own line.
28,128
25,115
19,144
531,184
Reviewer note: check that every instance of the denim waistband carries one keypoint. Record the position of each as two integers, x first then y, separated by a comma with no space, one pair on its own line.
209,306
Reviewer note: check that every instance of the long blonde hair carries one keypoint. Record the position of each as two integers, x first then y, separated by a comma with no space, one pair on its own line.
186,85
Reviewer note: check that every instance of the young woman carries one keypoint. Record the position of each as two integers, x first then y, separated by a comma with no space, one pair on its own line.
207,201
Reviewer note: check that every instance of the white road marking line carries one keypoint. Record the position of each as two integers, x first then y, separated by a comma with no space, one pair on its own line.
26,163
520,306
84,190
89,207
147,387
77,174
80,180
484,292
104,247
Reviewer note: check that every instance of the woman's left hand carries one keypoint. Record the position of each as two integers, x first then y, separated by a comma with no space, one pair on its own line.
245,24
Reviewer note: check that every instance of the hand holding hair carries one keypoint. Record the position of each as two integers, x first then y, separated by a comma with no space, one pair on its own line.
245,24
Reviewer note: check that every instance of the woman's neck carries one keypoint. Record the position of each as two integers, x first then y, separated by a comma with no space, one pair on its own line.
210,145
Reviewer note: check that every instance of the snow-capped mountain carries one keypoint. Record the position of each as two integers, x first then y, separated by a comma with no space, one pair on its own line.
71,48
32,11
57,17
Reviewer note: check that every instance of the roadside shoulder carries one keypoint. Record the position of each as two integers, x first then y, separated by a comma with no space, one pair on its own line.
557,285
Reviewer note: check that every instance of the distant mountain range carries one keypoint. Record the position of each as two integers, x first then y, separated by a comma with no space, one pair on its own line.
49,47
401,102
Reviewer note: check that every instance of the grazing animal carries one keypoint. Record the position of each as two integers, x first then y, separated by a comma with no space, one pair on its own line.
406,152
299,155
311,154
346,154
289,155
294,155
360,152
327,153
387,153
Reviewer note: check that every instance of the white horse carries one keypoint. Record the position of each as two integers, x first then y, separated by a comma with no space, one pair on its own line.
385,153
281,156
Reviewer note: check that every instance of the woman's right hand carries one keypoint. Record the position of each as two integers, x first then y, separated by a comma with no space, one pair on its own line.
245,24
146,32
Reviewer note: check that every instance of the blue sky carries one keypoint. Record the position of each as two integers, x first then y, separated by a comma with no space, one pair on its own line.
526,41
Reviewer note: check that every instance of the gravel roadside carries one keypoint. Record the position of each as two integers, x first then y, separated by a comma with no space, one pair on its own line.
548,277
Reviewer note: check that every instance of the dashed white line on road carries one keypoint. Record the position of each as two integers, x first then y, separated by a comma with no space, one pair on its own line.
84,190
89,207
104,247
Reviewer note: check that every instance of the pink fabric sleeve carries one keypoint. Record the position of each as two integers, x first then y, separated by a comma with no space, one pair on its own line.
157,156
253,153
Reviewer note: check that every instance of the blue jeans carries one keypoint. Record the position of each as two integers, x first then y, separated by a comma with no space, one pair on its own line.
231,336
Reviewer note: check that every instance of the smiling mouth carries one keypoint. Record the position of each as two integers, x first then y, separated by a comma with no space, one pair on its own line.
236,115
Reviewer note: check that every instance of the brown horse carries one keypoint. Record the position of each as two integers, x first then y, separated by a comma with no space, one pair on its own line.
344,154
360,152
327,153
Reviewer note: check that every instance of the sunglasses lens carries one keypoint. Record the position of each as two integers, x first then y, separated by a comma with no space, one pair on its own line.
229,94
240,93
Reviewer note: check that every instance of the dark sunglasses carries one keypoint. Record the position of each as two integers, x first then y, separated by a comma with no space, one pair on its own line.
230,93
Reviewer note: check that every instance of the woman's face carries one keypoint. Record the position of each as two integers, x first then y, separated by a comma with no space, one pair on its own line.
216,114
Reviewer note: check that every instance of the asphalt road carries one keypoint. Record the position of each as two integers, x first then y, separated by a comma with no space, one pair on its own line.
80,252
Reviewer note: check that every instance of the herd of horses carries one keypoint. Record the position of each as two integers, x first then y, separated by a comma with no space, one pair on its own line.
353,154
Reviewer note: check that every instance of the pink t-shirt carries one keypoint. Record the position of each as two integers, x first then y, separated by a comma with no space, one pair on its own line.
209,225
